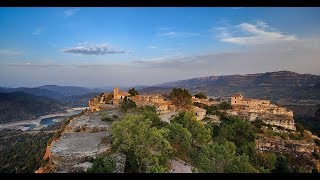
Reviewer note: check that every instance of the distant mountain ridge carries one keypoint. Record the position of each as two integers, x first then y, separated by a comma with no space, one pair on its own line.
271,85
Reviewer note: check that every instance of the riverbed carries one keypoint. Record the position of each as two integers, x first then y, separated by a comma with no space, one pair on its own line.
42,121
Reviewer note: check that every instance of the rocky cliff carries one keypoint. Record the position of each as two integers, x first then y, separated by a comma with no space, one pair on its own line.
84,138
301,150
285,121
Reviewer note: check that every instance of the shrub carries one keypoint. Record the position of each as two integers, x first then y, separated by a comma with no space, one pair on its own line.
106,118
200,96
102,164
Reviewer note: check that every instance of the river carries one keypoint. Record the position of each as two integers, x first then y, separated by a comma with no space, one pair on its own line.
42,121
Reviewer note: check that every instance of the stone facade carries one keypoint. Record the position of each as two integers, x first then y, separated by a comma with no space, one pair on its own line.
200,113
252,109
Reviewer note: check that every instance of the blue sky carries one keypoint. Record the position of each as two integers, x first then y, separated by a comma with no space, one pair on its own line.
144,46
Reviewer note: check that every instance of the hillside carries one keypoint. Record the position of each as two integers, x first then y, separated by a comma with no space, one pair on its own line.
283,86
18,106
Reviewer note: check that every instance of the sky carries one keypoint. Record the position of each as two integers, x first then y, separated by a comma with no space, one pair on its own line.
95,47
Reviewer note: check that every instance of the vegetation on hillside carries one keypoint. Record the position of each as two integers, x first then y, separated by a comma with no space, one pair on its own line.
181,98
102,164
21,152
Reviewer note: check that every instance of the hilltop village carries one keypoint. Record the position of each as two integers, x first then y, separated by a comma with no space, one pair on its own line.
247,108
163,105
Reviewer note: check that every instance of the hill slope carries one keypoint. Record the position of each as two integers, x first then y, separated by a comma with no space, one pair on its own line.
18,106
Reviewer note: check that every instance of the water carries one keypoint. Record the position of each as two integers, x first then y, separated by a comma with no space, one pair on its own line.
48,121
30,126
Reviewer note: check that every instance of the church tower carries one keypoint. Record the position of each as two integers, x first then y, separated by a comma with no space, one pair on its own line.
115,92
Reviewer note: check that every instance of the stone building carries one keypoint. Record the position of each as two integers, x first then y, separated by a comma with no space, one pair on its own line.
200,113
253,109
239,100
119,95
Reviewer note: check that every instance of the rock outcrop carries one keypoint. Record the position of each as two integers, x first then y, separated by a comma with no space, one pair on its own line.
277,144
84,138
284,121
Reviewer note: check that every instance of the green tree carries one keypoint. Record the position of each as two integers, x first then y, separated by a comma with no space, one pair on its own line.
299,128
240,132
220,158
133,92
281,165
181,98
266,160
200,95
225,105
102,164
127,104
200,134
150,113
143,144
180,138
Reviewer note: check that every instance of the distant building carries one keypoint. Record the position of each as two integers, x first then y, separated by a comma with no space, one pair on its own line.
200,113
239,100
119,95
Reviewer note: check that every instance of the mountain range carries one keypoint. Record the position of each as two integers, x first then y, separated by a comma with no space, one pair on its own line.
284,87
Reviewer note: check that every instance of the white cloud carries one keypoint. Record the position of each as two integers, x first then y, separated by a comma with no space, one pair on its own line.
260,33
152,47
70,12
174,34
92,49
38,31
9,52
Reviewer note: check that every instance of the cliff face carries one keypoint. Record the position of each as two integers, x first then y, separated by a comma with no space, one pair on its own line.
301,150
81,141
285,121
277,144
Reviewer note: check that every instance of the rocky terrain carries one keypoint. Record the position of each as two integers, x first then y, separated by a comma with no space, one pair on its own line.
84,138
301,150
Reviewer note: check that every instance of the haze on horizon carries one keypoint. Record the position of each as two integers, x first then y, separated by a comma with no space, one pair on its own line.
95,47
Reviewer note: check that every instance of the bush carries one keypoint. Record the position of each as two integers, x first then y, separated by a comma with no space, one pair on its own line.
127,104
281,165
299,128
106,118
115,116
102,164
200,96
225,105
317,141
221,158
